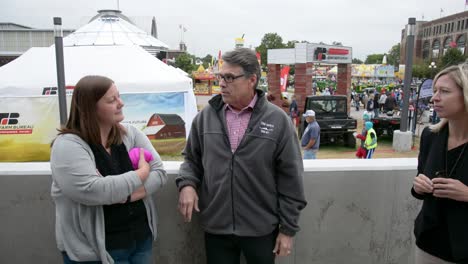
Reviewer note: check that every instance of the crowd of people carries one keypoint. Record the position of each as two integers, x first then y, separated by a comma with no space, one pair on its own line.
246,184
376,103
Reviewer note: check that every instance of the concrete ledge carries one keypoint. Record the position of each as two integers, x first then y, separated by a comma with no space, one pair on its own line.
359,211
172,167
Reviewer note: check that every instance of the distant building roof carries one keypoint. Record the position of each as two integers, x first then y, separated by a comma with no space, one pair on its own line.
9,25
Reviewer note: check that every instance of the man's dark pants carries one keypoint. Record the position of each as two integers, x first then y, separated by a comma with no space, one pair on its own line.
227,249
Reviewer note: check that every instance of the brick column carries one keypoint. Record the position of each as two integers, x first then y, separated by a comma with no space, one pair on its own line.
309,79
343,85
302,83
274,78
344,79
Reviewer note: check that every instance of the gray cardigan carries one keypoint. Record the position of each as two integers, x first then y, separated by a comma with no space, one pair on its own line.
79,193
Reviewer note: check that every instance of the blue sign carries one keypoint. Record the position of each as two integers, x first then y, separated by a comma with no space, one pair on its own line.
426,89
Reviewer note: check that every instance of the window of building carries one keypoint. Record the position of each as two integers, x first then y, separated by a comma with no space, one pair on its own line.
453,26
447,42
461,43
435,48
426,48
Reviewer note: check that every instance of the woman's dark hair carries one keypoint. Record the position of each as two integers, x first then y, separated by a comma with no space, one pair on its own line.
83,120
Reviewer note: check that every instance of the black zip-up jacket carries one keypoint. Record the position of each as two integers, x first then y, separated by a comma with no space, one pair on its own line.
254,190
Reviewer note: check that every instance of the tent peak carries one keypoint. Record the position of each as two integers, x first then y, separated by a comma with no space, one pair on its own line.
106,13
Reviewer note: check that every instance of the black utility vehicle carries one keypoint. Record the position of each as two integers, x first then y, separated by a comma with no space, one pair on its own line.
386,123
331,113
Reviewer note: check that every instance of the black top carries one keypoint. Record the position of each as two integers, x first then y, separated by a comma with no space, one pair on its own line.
436,241
124,223
441,227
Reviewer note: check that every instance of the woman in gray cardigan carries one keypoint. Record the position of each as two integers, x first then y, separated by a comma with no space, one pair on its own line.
105,210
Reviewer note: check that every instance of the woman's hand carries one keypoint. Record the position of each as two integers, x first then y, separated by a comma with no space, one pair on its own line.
422,184
451,189
143,166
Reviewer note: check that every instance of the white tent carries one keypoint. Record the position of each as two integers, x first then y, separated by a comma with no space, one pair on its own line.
111,28
131,67
28,81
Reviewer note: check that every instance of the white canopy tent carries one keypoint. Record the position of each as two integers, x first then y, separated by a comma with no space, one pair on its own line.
110,28
133,70
131,67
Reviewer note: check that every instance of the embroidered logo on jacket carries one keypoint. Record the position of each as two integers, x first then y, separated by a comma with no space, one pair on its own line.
266,128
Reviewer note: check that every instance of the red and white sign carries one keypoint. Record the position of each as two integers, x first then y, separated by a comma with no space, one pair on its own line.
329,54
284,78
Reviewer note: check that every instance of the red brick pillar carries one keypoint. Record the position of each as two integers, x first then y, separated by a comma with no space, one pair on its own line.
343,85
302,83
309,79
274,78
344,79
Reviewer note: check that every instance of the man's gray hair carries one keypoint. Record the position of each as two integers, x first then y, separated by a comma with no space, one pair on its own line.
246,59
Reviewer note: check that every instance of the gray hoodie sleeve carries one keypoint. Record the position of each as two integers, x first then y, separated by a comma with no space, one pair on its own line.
290,171
158,176
74,172
191,170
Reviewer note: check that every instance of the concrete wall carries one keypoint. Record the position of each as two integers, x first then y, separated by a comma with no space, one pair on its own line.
359,211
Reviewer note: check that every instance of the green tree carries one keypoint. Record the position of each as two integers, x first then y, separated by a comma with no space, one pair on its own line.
290,44
269,41
357,61
207,60
453,56
185,62
393,56
421,71
374,59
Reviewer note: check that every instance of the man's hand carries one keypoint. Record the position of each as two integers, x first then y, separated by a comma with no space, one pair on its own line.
451,189
422,184
283,245
188,201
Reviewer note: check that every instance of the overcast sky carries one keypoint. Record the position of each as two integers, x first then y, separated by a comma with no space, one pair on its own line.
368,26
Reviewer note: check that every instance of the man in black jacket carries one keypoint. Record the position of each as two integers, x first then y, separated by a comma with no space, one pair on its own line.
242,170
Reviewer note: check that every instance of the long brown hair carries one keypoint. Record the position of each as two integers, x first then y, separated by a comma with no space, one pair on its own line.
83,120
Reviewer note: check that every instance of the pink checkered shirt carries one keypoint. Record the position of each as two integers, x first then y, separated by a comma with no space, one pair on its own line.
237,122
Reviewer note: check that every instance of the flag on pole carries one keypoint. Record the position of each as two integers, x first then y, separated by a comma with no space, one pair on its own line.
284,78
220,60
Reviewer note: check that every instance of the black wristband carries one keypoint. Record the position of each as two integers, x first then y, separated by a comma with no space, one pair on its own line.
129,199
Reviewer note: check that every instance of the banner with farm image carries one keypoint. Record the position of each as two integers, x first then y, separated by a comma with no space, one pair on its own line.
28,125
161,118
